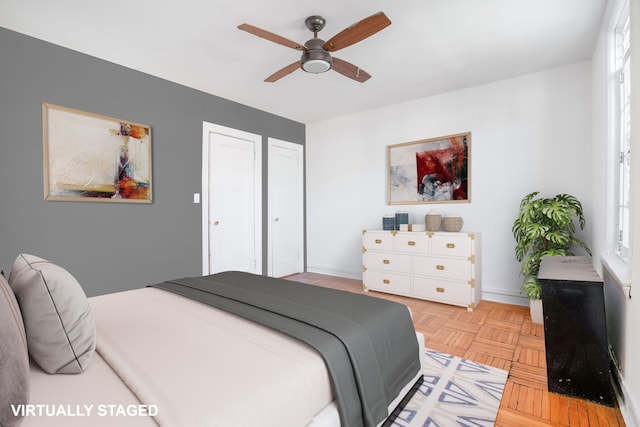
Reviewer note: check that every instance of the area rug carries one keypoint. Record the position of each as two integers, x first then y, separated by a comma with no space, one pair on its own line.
454,392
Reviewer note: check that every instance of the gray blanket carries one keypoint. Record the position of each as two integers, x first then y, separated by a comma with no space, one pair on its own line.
368,344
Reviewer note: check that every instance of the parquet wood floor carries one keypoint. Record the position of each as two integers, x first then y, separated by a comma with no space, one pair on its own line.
499,335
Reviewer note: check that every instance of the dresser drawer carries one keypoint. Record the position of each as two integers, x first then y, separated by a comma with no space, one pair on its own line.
459,245
387,282
443,268
378,240
440,266
412,242
442,290
387,261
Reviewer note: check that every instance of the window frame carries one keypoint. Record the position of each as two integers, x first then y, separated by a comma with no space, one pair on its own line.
620,130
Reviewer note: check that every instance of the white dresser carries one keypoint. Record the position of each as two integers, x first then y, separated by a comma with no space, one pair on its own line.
436,266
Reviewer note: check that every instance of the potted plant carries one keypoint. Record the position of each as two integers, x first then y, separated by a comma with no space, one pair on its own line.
545,227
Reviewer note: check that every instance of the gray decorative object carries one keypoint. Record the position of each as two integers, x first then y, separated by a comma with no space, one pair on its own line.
388,222
401,218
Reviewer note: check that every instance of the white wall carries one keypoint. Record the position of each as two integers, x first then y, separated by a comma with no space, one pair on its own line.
529,133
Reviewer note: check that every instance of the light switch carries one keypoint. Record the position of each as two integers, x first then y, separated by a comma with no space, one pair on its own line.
196,197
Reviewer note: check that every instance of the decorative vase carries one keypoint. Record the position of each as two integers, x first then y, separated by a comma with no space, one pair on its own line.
452,223
433,220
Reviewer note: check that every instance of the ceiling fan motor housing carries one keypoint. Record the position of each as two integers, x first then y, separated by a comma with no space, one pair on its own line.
316,59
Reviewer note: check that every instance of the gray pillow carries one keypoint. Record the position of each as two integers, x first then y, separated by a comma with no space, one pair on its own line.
61,333
14,360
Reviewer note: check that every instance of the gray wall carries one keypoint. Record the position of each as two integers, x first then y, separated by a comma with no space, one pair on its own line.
109,247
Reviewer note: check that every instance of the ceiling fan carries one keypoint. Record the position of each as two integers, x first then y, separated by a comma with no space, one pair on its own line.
316,53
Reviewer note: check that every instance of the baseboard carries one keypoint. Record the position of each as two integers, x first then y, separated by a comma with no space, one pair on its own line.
505,297
333,272
627,404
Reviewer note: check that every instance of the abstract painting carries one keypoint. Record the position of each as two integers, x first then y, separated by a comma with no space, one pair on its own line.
89,157
434,170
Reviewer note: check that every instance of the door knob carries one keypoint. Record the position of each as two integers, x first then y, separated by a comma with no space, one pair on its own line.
277,219
216,222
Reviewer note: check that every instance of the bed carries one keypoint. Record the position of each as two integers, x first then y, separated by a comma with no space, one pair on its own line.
170,355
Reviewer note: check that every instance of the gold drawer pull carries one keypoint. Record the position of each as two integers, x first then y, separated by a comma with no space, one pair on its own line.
386,261
441,290
451,245
411,243
378,241
386,281
440,267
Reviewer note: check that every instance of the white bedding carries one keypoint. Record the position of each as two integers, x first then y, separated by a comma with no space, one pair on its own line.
98,385
197,365
202,366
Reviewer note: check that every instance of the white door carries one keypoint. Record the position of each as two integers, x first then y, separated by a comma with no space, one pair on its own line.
231,202
286,208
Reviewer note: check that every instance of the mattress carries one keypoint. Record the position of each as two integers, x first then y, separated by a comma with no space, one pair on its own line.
191,365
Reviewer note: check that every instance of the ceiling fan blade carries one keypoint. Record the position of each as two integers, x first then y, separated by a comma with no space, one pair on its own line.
283,72
349,70
271,37
357,32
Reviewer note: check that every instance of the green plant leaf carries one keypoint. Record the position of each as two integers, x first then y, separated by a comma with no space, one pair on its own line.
558,212
560,238
554,252
535,231
527,199
575,205
532,288
545,227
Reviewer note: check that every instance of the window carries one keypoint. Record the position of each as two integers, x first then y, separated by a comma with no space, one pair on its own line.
622,130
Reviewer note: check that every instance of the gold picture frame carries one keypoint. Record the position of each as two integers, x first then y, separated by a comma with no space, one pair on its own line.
93,158
434,170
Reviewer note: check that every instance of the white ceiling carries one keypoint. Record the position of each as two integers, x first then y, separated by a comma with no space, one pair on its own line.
431,47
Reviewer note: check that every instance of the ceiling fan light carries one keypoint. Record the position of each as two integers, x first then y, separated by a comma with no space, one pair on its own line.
316,61
316,66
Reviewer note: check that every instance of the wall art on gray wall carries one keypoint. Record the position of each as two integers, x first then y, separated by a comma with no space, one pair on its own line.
89,157
434,170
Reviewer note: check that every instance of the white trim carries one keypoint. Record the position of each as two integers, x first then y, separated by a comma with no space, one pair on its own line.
624,397
333,272
504,296
208,128
615,10
620,271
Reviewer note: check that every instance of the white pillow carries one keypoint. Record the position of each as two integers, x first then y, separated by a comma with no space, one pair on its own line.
61,333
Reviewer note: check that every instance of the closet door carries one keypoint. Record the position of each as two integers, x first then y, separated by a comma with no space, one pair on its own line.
286,208
232,197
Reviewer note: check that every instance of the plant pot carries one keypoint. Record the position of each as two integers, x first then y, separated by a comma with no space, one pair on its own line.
535,308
